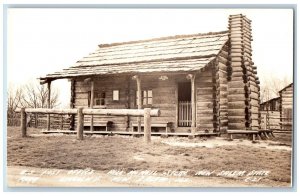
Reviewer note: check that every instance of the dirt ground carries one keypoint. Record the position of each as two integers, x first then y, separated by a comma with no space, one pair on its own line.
128,161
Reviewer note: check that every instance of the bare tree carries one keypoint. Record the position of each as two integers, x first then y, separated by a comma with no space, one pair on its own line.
14,98
35,96
31,95
271,87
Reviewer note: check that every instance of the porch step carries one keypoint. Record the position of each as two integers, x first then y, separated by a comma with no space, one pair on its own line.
183,129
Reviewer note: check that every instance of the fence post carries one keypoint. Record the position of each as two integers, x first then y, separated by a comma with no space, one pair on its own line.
35,120
62,122
23,122
265,121
48,104
147,125
80,124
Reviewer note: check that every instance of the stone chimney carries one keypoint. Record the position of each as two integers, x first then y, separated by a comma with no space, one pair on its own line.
243,84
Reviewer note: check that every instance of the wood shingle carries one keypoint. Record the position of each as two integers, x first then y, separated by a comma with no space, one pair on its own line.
182,53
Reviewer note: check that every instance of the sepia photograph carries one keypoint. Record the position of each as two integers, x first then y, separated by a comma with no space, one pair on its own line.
149,97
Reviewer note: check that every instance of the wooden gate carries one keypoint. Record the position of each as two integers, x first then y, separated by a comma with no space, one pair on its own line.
184,114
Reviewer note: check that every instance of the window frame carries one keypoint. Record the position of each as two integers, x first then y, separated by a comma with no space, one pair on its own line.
147,97
98,96
118,95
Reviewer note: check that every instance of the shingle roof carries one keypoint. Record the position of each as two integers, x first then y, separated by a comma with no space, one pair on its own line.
275,98
167,54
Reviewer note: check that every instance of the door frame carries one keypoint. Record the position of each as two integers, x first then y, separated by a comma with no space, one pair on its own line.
177,102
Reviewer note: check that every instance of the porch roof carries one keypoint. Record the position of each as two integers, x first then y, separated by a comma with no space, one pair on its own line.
181,53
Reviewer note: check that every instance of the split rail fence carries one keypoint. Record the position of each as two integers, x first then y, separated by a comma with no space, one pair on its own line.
273,121
147,113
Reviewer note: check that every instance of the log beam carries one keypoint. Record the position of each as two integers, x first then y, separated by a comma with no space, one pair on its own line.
108,112
121,112
43,81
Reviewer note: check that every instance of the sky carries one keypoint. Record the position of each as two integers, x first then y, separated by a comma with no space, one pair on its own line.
42,41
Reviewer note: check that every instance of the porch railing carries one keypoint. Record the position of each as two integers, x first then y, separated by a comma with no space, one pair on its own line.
184,114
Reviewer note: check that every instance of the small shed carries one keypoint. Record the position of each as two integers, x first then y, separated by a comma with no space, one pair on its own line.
279,110
286,107
201,82
270,109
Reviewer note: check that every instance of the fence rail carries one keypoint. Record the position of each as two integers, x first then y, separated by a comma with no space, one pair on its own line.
272,120
57,121
80,112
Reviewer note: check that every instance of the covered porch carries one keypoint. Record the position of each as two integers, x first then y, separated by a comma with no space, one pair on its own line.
175,94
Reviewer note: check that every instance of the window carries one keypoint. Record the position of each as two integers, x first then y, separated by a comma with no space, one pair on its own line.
273,106
115,95
146,97
99,99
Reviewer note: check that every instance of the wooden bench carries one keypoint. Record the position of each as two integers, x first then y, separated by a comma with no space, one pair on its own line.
166,125
266,133
247,132
107,124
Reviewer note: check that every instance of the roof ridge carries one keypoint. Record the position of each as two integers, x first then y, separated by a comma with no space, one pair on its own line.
161,38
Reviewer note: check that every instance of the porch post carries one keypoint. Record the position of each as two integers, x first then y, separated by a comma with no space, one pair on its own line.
92,104
48,104
193,101
139,103
72,104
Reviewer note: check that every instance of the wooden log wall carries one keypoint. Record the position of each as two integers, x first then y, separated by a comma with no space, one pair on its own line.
243,85
104,85
286,107
255,99
216,97
286,97
222,88
164,96
206,118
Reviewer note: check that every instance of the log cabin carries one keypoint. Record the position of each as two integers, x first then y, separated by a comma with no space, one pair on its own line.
201,82
279,110
270,109
286,107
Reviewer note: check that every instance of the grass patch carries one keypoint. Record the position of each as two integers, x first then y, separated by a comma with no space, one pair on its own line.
116,152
